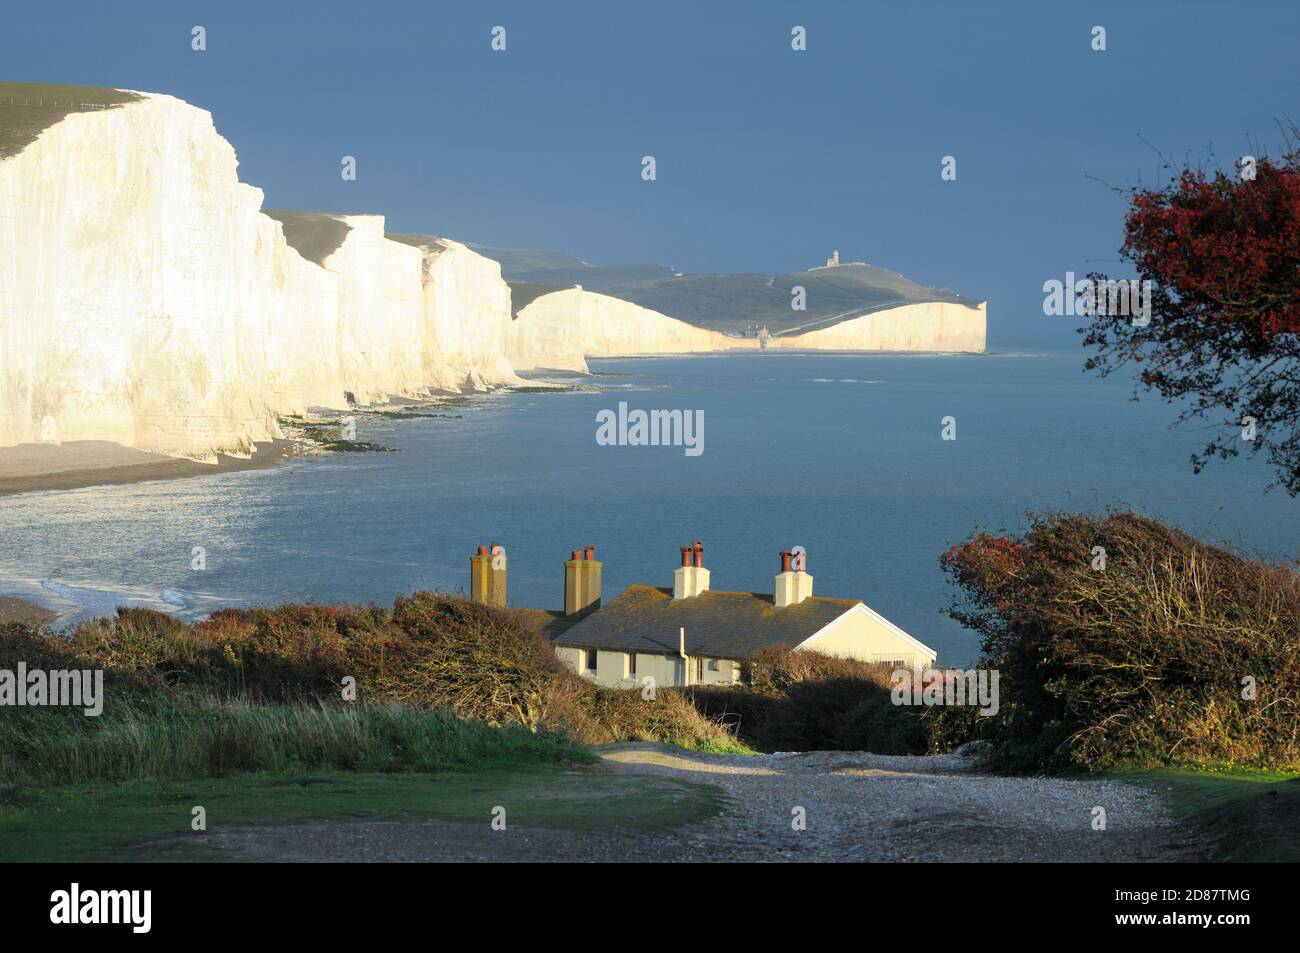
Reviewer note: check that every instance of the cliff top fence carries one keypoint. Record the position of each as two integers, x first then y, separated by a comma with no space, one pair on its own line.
28,109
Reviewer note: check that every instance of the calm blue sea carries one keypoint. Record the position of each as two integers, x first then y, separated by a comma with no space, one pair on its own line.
840,454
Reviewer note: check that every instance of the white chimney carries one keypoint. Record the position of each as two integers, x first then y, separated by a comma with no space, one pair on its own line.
793,585
691,578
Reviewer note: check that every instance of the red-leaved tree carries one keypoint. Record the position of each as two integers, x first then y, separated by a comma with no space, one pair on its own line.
1222,252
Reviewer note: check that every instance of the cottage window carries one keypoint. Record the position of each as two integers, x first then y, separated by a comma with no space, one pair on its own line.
589,659
891,661
699,670
629,665
713,665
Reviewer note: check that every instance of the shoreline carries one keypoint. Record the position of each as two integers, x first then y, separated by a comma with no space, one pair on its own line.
789,351
81,464
35,468
15,611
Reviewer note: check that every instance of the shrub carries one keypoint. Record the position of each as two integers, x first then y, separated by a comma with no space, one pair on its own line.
1140,663
483,661
429,652
302,651
605,715
806,701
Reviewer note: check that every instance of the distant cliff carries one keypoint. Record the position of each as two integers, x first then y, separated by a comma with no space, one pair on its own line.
928,326
736,304
560,328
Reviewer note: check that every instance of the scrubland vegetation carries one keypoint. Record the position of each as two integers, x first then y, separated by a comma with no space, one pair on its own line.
254,715
1123,642
804,701
436,682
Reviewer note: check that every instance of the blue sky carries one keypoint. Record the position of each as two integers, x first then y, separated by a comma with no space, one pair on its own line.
767,158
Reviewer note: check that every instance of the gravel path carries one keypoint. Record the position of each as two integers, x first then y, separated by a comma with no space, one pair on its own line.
857,807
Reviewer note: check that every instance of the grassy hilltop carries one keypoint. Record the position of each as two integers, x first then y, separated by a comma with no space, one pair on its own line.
28,109
731,303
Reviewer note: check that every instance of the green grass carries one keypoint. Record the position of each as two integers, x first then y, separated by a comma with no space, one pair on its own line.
28,109
721,746
150,820
1245,816
122,786
193,736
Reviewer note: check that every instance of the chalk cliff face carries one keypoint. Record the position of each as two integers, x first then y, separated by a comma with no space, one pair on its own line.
466,317
304,307
932,326
146,299
561,329
125,241
381,312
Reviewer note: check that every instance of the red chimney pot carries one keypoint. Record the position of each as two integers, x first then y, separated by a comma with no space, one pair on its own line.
698,548
786,557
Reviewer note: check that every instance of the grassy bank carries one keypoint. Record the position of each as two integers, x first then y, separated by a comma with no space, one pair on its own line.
150,820
123,786
188,736
1242,815
252,716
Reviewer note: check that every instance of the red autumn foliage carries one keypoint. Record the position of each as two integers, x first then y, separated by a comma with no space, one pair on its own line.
1228,249
1222,252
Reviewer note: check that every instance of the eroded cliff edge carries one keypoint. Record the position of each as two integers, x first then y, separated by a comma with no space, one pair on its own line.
146,298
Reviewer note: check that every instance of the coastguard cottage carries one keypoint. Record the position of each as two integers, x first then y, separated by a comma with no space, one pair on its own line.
691,634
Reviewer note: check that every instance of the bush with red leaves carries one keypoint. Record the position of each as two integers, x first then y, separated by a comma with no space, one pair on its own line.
1223,255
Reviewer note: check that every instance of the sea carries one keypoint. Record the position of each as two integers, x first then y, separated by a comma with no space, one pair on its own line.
874,463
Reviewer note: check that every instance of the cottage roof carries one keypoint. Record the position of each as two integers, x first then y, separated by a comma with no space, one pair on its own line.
734,625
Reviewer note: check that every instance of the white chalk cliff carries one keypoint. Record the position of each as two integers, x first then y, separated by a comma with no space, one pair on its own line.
147,298
928,326
457,353
560,330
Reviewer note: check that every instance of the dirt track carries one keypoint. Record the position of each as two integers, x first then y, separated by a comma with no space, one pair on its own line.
858,807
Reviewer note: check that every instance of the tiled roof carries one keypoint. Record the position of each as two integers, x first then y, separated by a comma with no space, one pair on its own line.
549,621
735,625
